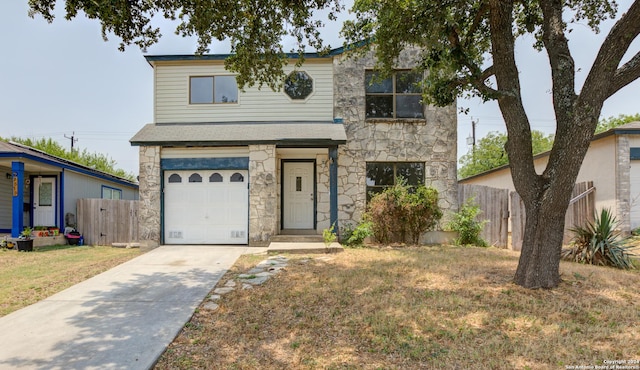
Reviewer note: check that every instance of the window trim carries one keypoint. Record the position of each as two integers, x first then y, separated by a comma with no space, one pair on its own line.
393,95
395,175
313,87
213,87
112,191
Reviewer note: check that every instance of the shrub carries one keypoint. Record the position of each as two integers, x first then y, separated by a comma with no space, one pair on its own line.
401,213
354,237
599,243
465,222
329,235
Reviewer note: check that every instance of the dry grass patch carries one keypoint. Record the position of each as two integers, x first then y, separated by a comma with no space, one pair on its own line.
28,277
414,308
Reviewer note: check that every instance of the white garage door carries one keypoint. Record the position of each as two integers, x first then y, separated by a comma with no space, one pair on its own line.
206,207
634,196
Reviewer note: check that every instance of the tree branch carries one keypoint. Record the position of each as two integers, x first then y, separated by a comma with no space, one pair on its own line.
625,75
562,64
598,85
525,179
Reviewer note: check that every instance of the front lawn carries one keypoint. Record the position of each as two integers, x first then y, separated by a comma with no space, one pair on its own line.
28,277
414,308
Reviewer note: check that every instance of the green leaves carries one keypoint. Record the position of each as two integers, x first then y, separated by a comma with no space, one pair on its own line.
465,222
255,28
599,243
490,152
96,161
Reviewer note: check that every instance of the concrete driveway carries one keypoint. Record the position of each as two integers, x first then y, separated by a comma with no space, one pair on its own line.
123,318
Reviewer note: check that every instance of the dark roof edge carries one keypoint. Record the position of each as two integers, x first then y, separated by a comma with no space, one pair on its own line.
66,164
206,57
281,143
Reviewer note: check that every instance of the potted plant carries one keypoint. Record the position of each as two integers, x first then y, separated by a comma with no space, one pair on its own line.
25,243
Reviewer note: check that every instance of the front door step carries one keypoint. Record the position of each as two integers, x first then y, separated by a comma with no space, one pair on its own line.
297,238
303,247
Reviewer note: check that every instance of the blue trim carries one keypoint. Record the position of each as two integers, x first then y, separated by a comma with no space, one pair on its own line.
333,188
5,231
328,54
634,153
17,224
61,224
161,207
626,131
102,187
338,120
61,165
229,163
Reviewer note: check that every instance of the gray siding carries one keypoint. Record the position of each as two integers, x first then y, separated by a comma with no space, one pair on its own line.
79,186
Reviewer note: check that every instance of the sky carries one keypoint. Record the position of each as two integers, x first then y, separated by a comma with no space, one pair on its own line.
61,80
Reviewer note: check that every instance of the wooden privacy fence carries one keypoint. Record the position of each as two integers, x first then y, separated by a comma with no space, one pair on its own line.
581,210
498,205
106,221
494,204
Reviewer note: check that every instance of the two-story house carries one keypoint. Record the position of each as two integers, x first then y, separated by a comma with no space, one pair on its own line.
224,166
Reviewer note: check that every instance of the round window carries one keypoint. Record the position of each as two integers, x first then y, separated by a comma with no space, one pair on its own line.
298,85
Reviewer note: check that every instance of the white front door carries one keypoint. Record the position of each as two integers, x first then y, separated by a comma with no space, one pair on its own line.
44,201
298,195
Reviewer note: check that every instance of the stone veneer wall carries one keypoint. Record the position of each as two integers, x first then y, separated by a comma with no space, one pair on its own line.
263,194
432,140
149,211
323,215
623,184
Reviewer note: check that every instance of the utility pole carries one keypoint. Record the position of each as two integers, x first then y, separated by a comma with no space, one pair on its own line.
472,140
74,140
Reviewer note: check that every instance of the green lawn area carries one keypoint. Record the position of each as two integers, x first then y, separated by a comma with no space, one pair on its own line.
414,308
28,277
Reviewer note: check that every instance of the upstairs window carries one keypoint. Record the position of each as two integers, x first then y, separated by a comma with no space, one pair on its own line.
397,96
213,90
298,85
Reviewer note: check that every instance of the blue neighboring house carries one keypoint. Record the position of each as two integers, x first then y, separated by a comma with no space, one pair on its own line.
38,189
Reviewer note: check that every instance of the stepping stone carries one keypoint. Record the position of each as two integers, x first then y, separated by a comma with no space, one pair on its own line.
276,269
230,283
211,306
246,286
258,280
223,290
215,297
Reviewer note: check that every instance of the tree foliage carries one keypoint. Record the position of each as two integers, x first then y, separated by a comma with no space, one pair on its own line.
96,161
255,28
490,152
613,122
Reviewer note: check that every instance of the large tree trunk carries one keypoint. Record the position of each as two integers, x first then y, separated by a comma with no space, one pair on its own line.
542,243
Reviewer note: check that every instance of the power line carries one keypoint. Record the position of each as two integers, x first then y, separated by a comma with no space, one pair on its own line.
73,139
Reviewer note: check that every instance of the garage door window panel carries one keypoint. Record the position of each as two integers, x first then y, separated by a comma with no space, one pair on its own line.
237,177
175,178
195,178
216,177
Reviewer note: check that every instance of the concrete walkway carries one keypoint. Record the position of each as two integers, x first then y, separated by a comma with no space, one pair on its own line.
123,318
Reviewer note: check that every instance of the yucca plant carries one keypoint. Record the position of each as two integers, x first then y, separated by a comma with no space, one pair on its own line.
599,243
